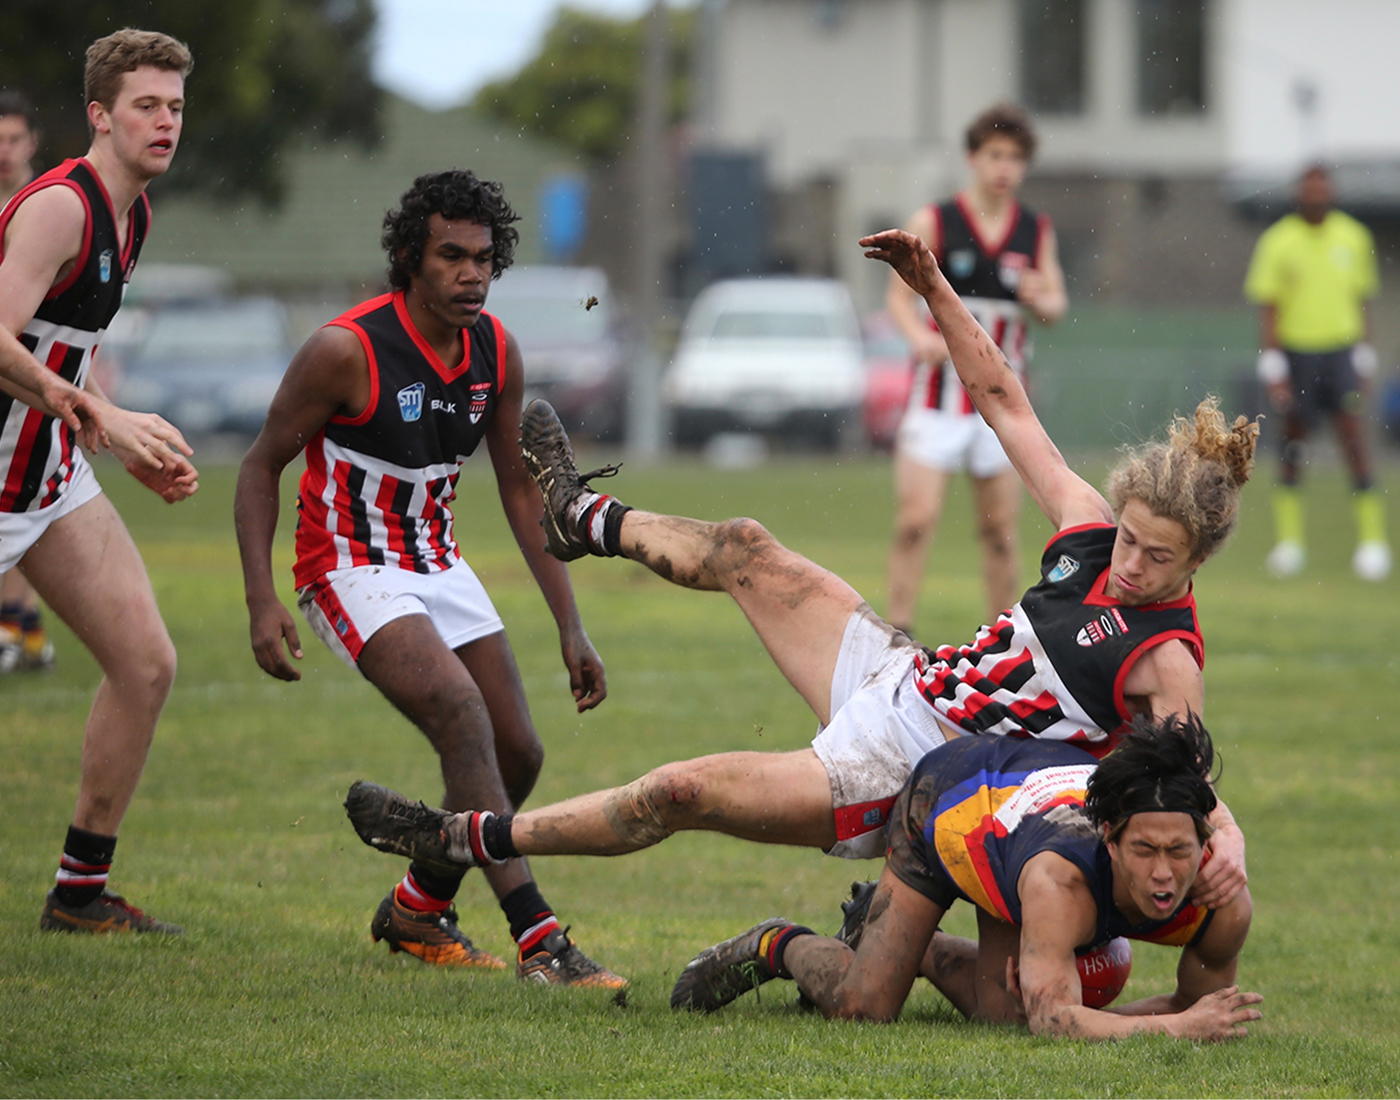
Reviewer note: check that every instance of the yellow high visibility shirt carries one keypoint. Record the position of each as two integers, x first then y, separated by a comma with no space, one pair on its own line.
1317,277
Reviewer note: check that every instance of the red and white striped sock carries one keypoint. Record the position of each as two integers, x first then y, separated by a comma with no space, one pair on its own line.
411,895
533,936
83,867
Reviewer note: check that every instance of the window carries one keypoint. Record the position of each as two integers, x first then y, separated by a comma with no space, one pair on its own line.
1053,55
1171,56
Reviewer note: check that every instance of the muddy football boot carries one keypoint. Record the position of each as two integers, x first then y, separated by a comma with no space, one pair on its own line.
392,823
720,973
432,937
109,912
545,447
556,960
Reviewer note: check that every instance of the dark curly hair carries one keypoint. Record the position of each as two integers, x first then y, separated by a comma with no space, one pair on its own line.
458,196
1161,764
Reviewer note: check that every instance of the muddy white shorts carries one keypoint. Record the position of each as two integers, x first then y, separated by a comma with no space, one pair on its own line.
951,441
345,607
21,530
880,728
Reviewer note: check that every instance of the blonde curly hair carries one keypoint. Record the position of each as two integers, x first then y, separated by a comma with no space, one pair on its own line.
1194,477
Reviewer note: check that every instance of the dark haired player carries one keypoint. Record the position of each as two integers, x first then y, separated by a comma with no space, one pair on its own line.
1060,853
387,401
68,243
1002,261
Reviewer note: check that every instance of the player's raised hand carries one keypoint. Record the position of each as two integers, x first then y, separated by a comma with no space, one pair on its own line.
908,255
1221,1015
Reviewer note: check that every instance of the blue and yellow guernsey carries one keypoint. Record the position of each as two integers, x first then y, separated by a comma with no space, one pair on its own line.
977,809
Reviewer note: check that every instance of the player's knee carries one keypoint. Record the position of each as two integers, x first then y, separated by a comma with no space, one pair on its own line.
155,665
861,1004
738,542
520,768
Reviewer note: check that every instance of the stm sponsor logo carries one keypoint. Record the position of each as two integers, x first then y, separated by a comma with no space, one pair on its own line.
1062,570
1107,625
411,402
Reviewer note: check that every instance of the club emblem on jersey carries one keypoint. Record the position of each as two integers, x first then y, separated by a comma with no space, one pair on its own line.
961,261
1110,623
411,402
1063,569
1009,268
104,266
477,409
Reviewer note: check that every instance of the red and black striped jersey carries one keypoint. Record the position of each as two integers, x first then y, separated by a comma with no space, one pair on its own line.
37,452
1053,666
985,275
980,808
378,486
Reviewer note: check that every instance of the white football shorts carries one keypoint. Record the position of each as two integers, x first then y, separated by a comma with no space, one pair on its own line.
347,606
951,441
21,530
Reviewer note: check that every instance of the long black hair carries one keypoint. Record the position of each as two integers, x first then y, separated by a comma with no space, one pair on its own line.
1162,764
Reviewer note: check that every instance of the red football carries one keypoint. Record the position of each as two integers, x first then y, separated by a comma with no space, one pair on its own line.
1103,972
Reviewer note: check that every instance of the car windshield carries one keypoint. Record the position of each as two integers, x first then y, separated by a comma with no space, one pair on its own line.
544,318
216,331
772,325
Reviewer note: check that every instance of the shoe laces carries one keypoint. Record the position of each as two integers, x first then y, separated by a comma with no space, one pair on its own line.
609,470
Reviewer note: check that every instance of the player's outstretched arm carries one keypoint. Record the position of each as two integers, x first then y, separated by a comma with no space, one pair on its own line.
1064,497
1058,911
329,375
520,499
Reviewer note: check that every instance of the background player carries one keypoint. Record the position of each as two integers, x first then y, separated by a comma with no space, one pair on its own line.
1021,829
1002,259
70,241
1311,274
1109,631
387,401
24,642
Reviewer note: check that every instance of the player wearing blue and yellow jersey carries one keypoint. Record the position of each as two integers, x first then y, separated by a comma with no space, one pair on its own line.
1311,275
1060,853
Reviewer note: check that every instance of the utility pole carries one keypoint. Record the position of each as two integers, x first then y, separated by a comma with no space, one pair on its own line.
646,421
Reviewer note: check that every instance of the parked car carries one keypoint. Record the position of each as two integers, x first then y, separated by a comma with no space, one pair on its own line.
206,365
568,325
888,375
778,355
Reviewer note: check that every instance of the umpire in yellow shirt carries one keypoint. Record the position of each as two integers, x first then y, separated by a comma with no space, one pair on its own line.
1311,275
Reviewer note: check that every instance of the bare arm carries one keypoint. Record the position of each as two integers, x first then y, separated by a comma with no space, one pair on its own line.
520,499
907,311
329,375
1058,912
1042,288
1064,497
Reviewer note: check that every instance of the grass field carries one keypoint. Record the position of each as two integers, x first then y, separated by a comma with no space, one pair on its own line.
237,832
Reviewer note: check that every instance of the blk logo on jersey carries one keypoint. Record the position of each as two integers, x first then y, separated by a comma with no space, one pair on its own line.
104,266
1063,569
961,261
1107,625
444,406
411,402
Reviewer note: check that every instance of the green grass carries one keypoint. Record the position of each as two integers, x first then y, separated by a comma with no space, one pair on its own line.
237,833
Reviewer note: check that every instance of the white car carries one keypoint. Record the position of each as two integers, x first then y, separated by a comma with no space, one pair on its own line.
778,355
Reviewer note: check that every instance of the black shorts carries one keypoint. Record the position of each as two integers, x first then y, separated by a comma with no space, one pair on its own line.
909,854
1324,383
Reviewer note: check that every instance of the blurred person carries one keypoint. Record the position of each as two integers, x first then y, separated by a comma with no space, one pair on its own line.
1312,273
24,642
1110,631
1081,852
1002,260
70,241
386,401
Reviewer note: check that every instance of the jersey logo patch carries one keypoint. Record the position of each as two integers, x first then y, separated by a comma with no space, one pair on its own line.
961,261
411,402
1009,268
104,266
1110,623
477,409
1063,569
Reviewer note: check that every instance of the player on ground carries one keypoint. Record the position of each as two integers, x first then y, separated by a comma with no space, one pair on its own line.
24,642
387,401
1110,631
1002,260
1312,274
1060,854
70,241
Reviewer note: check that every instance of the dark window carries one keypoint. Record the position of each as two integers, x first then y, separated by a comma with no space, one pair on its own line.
1171,36
1053,53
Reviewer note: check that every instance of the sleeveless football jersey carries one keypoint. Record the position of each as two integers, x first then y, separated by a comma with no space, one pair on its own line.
980,808
985,275
37,452
377,487
1053,665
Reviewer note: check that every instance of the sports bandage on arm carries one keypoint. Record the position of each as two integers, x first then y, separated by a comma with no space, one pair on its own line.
1364,360
1272,366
